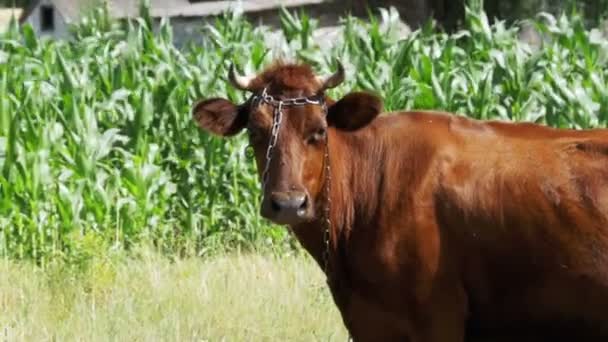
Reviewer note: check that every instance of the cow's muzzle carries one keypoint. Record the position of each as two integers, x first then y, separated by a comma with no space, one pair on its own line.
287,207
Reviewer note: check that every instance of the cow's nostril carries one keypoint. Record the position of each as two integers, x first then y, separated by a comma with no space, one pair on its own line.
304,203
275,206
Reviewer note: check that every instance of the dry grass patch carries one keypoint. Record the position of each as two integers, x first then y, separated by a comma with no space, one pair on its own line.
231,298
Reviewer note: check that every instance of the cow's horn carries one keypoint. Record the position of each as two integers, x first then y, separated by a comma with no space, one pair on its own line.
333,80
238,81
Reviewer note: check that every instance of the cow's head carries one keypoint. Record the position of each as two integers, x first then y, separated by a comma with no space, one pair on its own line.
295,175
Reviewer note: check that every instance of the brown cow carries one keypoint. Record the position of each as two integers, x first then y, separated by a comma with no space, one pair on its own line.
442,228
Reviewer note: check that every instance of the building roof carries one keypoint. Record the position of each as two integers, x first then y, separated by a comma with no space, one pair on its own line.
71,9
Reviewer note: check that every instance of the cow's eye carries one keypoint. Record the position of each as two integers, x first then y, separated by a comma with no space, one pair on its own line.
317,136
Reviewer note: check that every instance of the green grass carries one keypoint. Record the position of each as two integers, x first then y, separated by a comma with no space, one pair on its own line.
98,151
149,298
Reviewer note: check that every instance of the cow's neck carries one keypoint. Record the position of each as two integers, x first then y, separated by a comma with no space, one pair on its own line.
356,179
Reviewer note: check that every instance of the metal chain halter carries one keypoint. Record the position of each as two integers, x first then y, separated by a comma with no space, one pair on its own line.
277,118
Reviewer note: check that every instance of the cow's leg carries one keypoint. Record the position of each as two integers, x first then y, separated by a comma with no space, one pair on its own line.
439,323
442,327
442,319
366,321
443,322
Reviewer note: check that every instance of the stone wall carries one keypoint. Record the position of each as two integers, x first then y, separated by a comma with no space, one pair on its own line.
186,29
60,23
413,12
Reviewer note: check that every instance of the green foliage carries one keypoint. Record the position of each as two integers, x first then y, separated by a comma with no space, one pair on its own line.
97,145
98,150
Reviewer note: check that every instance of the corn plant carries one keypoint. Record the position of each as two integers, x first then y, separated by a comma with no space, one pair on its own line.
98,150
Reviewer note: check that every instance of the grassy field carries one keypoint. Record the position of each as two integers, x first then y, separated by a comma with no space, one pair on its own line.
150,298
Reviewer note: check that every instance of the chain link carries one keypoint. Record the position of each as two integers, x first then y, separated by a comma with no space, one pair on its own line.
294,101
327,209
274,136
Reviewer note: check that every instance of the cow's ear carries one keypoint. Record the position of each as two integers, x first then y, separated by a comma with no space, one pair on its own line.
354,111
220,116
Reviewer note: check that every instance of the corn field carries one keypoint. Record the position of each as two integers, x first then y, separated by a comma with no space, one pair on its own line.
98,151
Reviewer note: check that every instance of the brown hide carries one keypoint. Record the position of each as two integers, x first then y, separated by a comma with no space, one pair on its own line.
444,222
